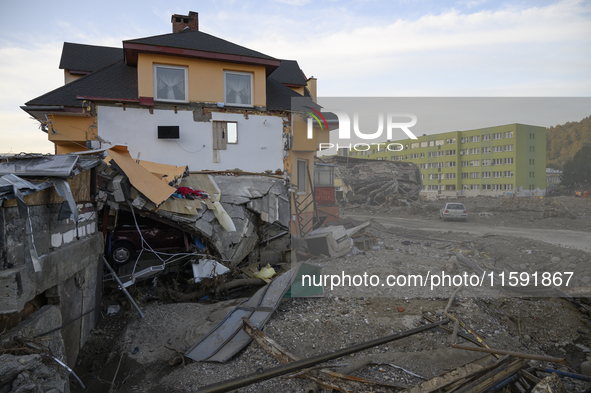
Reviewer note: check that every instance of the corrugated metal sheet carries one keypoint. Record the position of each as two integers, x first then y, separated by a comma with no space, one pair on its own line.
228,338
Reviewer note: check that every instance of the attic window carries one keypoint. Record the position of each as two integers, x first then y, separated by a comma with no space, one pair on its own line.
238,88
170,83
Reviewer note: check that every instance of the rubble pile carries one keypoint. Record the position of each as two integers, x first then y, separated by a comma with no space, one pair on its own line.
234,216
378,182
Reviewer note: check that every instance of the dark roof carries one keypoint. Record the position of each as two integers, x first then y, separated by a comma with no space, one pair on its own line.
199,41
117,81
279,97
88,58
289,72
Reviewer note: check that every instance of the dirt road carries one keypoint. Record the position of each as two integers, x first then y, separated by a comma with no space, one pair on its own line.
561,237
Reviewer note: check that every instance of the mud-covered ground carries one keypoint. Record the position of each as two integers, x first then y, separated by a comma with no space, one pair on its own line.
126,353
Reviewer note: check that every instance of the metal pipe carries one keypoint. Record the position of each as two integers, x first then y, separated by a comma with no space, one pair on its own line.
123,288
239,382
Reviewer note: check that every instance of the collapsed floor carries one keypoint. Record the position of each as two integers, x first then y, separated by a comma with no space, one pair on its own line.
129,354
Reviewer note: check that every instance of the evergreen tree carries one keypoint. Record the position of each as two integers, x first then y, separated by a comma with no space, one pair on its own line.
577,171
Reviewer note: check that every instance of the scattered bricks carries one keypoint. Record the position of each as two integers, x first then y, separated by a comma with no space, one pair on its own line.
485,215
400,309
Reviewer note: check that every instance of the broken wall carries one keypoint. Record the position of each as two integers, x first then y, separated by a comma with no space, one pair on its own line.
69,256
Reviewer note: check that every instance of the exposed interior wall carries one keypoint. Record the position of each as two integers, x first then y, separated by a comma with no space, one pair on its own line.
205,77
259,147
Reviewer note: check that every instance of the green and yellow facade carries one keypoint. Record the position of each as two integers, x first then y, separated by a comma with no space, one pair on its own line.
486,161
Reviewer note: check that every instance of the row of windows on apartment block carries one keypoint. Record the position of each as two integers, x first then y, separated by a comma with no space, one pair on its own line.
452,187
452,164
171,85
469,139
441,153
471,175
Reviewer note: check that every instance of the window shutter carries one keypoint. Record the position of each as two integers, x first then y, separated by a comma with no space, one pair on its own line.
220,135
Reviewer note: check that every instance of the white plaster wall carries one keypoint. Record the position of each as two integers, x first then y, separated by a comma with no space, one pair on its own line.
259,147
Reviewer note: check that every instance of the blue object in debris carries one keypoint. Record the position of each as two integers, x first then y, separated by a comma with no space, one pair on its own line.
198,243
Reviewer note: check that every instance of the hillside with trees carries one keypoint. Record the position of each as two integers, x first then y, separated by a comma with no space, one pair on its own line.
564,141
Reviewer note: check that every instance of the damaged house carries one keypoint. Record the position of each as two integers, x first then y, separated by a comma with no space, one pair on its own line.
189,99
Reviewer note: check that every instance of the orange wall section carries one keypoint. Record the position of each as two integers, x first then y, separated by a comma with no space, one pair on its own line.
206,77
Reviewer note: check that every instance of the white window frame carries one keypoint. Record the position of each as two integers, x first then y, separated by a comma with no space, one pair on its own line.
249,74
155,81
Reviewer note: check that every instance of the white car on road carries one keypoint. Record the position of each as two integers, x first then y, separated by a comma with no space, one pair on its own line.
453,211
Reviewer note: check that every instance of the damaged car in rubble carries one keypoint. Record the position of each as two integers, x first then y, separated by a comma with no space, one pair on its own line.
126,242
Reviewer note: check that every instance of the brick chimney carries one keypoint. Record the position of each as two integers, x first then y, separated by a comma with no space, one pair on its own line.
180,22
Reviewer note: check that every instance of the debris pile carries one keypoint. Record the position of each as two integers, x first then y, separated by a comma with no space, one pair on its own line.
231,218
378,182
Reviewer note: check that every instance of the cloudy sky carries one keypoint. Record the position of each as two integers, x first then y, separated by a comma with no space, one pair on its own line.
402,48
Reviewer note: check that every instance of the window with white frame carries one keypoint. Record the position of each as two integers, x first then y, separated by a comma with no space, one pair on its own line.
498,135
474,175
475,163
450,152
509,134
414,145
475,151
474,186
508,173
497,161
238,88
486,175
508,161
439,142
422,155
170,83
464,139
497,149
465,175
486,150
485,162
450,164
464,163
450,175
508,147
497,174
450,141
486,137
424,144
486,186
474,138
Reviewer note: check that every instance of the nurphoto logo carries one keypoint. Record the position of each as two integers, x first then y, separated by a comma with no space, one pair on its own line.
344,128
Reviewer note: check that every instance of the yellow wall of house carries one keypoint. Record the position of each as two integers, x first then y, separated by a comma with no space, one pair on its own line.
72,128
300,135
299,90
206,77
69,147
